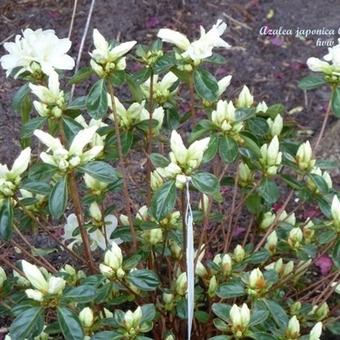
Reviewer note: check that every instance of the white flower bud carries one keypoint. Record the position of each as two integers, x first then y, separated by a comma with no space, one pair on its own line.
86,317
293,329
304,157
276,125
239,253
267,219
245,99
261,107
34,294
56,285
256,280
240,317
95,212
316,331
212,286
271,242
181,284
35,276
3,277
295,237
335,211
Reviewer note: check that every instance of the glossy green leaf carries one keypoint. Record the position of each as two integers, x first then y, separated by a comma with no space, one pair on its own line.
33,124
228,149
205,182
144,279
97,102
82,74
336,102
101,171
6,219
205,85
231,289
69,324
58,198
311,82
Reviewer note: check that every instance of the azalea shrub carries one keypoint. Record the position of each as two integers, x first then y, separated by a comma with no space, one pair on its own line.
165,207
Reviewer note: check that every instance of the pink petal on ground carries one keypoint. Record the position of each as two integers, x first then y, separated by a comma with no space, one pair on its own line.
324,263
277,41
152,22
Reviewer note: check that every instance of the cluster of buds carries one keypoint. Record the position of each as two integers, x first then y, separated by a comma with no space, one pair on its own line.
271,242
113,261
320,312
239,317
46,286
335,210
245,98
324,174
304,157
256,283
295,238
136,113
10,179
271,157
225,119
132,323
51,99
71,275
293,329
330,66
169,301
38,199
193,53
245,174
282,269
96,187
275,126
64,159
162,90
225,264
183,160
106,59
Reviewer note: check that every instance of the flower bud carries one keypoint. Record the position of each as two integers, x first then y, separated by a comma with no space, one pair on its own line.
304,157
181,284
261,107
316,331
176,250
34,294
256,280
321,312
212,286
293,329
245,174
270,156
35,276
276,125
295,308
86,317
245,99
239,253
335,211
267,219
200,270
225,263
204,204
56,285
95,212
240,317
156,180
295,237
271,242
3,277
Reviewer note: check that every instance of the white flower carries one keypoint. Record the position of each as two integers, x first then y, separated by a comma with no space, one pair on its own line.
316,331
189,158
106,58
245,99
158,115
240,317
304,157
335,210
270,156
37,48
163,89
86,317
34,275
199,49
224,117
317,65
133,319
75,156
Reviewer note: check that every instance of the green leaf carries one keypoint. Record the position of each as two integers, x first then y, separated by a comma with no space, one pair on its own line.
336,102
206,85
58,198
27,324
22,102
205,182
258,316
311,82
269,191
211,151
148,312
258,257
69,324
216,59
33,124
231,289
277,313
164,63
6,219
118,78
135,89
221,310
82,74
228,149
81,294
101,171
201,316
144,279
163,201
107,335
141,76
71,128
159,160
97,102
220,337
36,187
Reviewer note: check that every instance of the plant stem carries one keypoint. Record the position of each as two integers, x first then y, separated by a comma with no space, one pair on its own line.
74,194
324,124
149,140
122,168
184,229
192,97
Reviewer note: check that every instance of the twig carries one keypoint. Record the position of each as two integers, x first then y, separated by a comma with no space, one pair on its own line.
82,43
237,22
324,124
72,18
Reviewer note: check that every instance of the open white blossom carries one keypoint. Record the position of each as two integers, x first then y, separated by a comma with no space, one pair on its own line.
199,49
51,99
10,179
43,286
97,237
37,50
64,159
106,58
331,63
162,89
